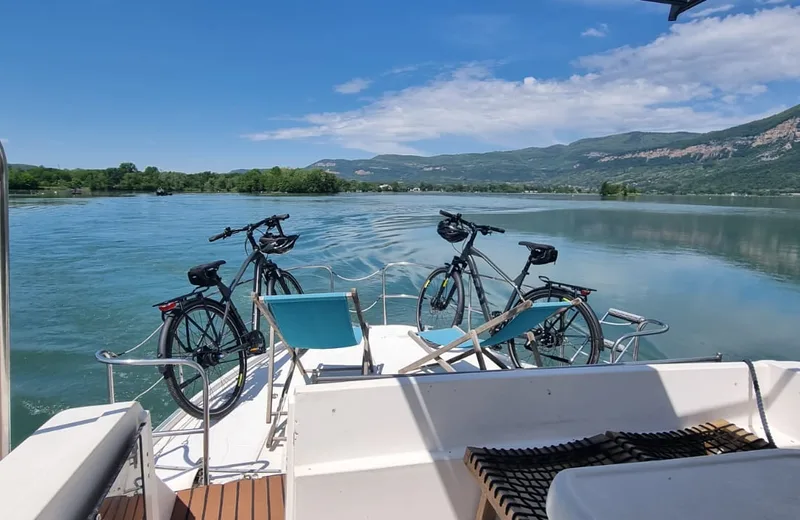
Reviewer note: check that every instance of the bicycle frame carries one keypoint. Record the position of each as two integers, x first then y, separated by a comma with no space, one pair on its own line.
263,268
467,258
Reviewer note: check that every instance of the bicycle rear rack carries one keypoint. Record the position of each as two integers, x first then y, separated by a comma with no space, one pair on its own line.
630,341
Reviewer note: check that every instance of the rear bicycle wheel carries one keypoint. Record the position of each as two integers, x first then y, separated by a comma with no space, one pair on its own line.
203,333
574,337
441,301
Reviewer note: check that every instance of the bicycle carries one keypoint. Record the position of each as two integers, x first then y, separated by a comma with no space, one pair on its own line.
213,329
551,338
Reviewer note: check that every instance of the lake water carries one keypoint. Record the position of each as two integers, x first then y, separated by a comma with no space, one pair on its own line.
723,272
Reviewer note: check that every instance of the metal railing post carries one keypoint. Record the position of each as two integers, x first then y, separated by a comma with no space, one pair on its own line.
109,358
270,373
383,295
110,375
5,320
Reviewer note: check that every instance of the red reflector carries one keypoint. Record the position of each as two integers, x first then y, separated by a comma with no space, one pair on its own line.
585,292
167,306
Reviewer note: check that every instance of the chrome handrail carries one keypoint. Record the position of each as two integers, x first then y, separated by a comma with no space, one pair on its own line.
324,267
333,275
384,296
5,325
631,338
638,333
110,359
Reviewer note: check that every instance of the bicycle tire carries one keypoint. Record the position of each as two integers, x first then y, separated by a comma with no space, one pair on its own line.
545,293
169,341
458,286
288,284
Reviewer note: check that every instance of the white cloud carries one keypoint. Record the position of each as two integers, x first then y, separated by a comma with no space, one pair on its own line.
601,31
404,69
414,67
730,53
658,86
354,86
714,10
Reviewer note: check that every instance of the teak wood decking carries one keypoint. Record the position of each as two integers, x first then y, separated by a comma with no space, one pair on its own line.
247,499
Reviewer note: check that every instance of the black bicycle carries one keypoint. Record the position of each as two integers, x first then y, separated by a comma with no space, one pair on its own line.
572,337
211,331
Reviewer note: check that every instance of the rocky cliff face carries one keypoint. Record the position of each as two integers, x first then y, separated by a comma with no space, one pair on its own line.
775,141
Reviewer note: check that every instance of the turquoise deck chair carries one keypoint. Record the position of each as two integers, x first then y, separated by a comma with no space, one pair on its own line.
309,322
518,321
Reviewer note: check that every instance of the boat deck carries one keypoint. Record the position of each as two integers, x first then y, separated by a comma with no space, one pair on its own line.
246,499
238,441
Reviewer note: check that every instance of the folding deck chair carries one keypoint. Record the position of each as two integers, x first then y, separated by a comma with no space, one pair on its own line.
518,321
312,321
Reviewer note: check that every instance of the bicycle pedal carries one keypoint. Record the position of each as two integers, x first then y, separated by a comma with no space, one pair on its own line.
258,344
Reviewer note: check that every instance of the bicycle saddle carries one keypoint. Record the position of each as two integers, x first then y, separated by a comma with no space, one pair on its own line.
205,275
541,253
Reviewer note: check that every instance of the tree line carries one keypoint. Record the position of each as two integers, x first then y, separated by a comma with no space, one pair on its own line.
127,177
609,189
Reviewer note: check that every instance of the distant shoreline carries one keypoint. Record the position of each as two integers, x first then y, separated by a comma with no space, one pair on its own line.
67,193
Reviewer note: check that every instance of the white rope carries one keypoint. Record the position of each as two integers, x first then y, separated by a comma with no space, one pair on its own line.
143,342
151,387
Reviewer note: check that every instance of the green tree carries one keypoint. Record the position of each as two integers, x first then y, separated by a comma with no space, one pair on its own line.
128,167
21,180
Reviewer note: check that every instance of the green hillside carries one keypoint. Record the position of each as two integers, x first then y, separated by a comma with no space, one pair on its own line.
759,156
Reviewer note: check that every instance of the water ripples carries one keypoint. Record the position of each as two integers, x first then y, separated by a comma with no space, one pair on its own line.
86,271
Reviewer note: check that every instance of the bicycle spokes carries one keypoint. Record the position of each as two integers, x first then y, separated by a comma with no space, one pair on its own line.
444,297
205,339
439,303
560,341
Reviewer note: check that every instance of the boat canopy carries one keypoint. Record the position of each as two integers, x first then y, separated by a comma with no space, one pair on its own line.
677,7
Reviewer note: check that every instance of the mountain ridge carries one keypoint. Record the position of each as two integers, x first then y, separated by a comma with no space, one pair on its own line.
759,155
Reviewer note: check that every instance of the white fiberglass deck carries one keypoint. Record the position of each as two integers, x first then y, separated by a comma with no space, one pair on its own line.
238,441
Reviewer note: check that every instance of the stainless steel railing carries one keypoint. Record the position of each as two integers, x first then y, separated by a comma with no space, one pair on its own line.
5,341
110,359
333,276
629,341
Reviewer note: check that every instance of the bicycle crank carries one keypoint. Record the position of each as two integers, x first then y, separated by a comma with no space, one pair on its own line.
256,342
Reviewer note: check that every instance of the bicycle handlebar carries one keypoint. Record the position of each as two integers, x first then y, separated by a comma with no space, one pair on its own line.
495,229
220,235
477,227
271,222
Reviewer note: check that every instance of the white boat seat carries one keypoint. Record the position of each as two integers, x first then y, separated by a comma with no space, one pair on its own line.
756,484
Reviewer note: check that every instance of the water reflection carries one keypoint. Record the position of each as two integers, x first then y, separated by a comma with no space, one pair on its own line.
768,242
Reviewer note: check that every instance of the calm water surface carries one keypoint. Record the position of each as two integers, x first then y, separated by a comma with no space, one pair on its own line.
723,272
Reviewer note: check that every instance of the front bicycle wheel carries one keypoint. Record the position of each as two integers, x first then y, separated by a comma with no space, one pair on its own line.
202,332
574,337
283,283
441,301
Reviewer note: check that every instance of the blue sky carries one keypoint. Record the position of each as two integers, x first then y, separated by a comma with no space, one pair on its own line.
194,86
